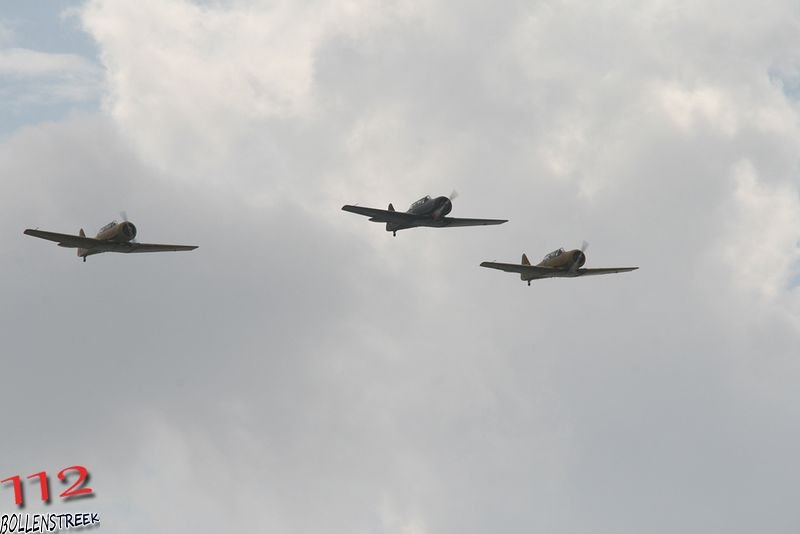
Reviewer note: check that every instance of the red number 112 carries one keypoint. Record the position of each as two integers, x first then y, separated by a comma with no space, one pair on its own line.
76,489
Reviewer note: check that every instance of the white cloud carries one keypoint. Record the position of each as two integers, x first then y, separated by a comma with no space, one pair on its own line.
24,62
190,83
306,364
763,242
39,77
685,107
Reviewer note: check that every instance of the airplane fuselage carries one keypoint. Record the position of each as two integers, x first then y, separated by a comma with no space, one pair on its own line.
433,208
564,259
114,232
565,262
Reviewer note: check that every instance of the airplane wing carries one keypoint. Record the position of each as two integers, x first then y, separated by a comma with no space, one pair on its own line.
542,272
128,247
536,271
76,241
452,221
150,247
378,215
605,270
65,240
401,217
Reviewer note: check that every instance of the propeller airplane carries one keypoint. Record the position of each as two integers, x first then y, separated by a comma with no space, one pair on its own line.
557,264
113,237
427,211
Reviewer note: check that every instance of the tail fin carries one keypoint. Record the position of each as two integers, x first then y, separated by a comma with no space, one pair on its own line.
82,251
391,208
525,260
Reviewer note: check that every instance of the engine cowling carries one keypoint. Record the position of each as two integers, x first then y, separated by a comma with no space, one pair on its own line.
579,258
114,231
128,230
445,207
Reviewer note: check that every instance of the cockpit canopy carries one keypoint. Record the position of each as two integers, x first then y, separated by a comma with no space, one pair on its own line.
420,202
112,224
554,254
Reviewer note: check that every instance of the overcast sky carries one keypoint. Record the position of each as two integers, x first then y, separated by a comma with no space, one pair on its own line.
305,372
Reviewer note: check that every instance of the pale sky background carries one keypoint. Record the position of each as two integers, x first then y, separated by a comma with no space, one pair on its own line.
305,372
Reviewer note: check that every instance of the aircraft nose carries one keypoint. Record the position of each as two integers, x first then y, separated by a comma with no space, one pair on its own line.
129,230
447,206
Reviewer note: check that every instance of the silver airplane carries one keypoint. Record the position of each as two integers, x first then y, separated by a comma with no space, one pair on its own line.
426,211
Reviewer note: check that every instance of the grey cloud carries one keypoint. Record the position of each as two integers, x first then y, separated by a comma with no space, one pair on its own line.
306,366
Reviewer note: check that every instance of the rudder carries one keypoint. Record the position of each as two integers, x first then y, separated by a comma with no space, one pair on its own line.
82,251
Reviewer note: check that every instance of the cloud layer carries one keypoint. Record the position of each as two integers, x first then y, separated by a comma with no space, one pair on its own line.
304,371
